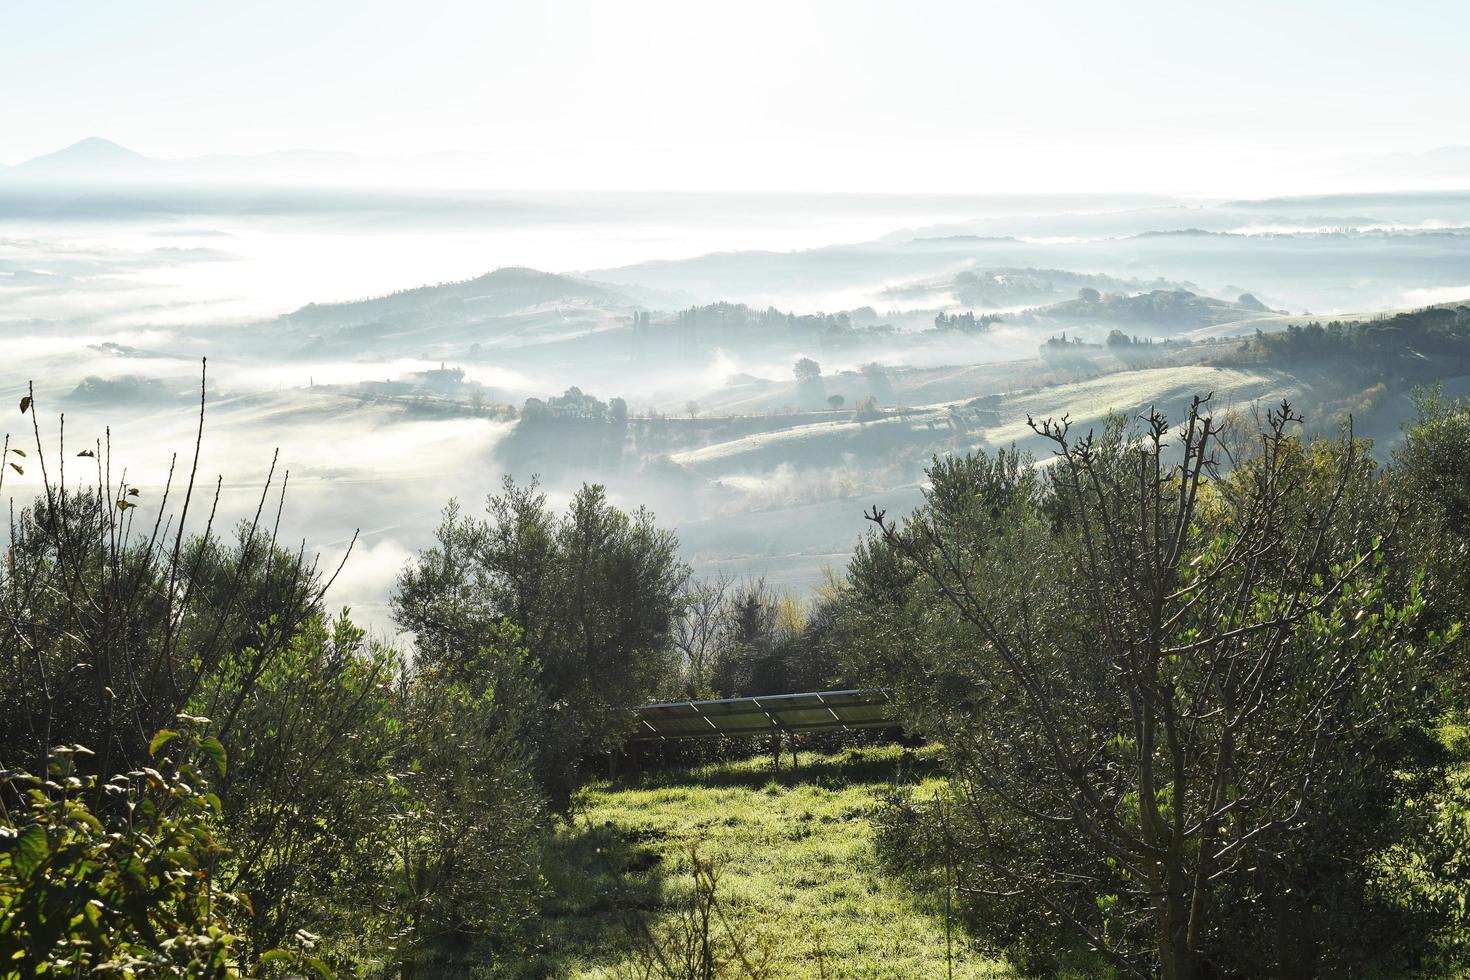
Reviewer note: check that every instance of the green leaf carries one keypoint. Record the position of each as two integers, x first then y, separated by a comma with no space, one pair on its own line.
182,858
19,452
92,823
164,737
87,452
31,850
18,468
216,752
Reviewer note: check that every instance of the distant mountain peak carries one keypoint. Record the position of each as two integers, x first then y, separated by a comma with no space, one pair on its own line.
98,144
93,155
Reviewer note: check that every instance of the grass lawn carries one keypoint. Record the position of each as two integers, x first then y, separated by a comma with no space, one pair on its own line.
799,881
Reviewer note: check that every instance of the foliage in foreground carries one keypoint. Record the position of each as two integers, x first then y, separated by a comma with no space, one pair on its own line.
1185,705
387,807
1191,712
129,891
113,624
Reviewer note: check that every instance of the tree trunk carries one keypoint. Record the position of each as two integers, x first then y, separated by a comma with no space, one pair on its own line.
1177,961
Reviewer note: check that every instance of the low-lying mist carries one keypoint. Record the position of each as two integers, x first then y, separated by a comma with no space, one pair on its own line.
757,371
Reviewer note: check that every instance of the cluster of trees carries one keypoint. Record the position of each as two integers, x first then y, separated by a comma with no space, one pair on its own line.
1384,343
1117,338
1158,307
202,773
590,596
1061,342
966,322
1134,351
1006,287
1074,353
1068,353
574,405
727,319
721,317
737,639
699,327
1190,679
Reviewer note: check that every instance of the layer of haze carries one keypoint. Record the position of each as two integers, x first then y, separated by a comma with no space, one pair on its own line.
1240,98
274,163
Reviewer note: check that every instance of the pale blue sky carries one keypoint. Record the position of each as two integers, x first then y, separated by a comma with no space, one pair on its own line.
760,95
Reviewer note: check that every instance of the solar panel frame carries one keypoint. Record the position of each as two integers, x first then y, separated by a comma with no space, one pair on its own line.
741,717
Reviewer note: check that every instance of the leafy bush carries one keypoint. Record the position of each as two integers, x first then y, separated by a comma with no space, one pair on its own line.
113,629
308,792
116,878
465,817
737,638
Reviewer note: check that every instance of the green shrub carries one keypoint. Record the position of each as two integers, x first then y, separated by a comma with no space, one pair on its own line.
117,878
308,791
465,820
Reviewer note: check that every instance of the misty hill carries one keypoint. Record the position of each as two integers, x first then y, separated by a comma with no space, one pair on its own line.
1159,309
507,290
1096,224
97,161
510,306
1339,270
1430,208
998,288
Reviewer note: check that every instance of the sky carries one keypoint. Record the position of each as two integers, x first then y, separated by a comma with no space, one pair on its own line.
942,95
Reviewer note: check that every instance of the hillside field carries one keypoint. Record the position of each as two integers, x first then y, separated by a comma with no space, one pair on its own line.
799,878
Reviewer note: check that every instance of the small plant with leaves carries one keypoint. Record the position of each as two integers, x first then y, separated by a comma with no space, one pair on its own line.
116,878
126,896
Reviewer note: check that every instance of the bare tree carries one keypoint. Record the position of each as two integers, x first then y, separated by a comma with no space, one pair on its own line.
697,631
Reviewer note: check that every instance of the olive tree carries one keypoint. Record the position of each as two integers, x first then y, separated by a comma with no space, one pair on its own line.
593,592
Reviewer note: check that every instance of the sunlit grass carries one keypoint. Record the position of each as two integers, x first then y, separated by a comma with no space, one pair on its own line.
799,878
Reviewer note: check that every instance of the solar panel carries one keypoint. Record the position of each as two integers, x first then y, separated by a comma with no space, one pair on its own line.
733,717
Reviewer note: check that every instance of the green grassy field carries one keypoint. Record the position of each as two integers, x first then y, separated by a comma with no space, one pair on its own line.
799,882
